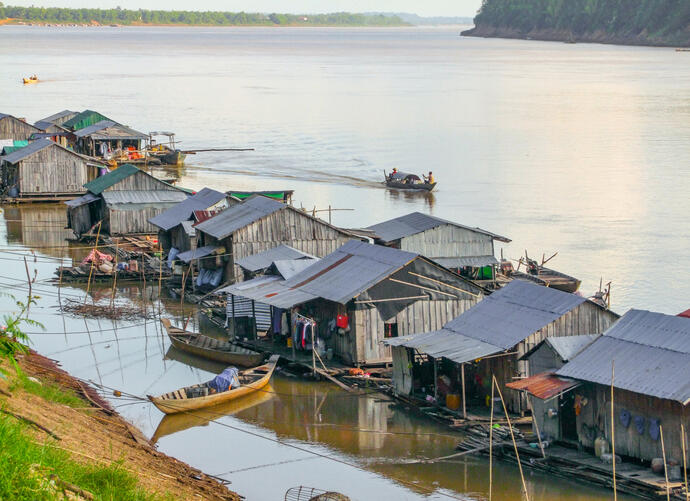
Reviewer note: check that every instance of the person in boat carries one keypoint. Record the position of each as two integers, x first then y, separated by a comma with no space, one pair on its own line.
430,178
226,380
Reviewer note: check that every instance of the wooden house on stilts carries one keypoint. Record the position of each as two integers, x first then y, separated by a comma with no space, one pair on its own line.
15,129
123,201
461,357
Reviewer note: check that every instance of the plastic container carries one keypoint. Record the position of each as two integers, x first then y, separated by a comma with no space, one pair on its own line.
453,401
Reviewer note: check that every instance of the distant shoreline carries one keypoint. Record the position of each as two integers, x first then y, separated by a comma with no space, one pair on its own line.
181,25
566,36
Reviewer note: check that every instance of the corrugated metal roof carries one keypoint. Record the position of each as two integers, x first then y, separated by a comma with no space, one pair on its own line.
142,197
288,268
459,262
189,255
26,151
188,227
513,313
269,290
567,347
84,119
263,260
113,177
203,215
416,222
238,216
57,116
651,353
685,314
184,210
350,270
86,199
447,344
47,125
107,129
544,386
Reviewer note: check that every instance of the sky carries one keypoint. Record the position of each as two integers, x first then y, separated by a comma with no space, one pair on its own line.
466,8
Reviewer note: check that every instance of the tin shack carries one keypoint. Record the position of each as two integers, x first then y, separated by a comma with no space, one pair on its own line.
176,224
461,248
13,128
45,169
123,201
489,339
360,295
647,354
260,223
106,139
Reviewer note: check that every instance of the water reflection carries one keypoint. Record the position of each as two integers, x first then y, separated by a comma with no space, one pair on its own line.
427,197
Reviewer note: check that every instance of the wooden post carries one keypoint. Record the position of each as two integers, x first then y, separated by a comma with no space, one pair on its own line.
234,322
313,351
512,436
329,214
464,407
491,436
663,454
256,336
95,247
112,293
536,424
613,432
292,338
685,464
435,382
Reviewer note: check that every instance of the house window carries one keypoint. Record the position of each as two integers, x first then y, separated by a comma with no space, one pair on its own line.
391,330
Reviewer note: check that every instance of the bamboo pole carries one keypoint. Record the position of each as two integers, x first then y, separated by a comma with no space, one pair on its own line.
112,293
422,287
464,407
512,436
491,436
685,463
95,246
613,432
442,283
663,454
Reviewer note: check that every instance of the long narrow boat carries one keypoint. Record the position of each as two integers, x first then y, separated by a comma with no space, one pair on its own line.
251,380
211,348
550,278
405,181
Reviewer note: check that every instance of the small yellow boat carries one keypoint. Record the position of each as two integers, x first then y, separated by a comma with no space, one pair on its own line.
30,80
251,380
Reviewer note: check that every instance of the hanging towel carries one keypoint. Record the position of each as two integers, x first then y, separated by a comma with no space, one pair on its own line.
625,418
654,429
639,424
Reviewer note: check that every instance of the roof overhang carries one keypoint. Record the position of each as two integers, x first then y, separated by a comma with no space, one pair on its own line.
544,386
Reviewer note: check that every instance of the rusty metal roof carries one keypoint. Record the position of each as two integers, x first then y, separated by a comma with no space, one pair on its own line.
544,386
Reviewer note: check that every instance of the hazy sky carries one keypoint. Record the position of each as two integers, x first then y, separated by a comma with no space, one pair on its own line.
427,8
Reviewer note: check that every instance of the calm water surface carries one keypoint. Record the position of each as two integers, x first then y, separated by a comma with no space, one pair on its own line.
580,149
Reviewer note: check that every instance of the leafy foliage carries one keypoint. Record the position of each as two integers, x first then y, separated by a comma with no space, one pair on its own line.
13,340
185,17
650,19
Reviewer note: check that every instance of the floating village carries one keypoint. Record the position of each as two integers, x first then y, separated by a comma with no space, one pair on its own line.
421,309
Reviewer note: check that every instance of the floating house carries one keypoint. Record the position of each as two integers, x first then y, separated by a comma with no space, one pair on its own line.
455,246
176,224
260,223
647,354
123,201
15,129
488,340
84,119
56,119
362,294
104,138
46,169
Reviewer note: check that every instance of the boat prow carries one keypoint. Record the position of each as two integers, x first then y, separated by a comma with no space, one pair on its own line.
30,80
251,380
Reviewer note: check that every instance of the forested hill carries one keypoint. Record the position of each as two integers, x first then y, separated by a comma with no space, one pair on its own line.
54,15
634,22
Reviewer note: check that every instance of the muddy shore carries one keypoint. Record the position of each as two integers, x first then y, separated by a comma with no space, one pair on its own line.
554,35
96,434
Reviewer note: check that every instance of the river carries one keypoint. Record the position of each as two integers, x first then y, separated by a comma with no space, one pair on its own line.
581,149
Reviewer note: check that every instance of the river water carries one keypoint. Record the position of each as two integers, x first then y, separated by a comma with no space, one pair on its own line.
581,149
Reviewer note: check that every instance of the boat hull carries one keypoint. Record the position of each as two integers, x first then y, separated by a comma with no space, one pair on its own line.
174,406
550,278
405,186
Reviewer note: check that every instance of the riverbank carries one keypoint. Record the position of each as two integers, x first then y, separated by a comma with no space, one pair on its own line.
567,36
74,443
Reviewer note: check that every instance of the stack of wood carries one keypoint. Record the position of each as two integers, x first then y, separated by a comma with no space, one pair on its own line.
477,438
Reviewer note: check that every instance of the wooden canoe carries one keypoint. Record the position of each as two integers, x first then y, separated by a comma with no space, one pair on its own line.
251,380
550,278
174,423
211,348
406,186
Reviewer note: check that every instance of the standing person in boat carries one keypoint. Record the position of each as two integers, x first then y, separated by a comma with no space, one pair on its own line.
430,178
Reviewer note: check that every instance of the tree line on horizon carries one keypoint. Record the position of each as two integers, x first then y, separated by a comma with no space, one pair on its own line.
655,18
118,15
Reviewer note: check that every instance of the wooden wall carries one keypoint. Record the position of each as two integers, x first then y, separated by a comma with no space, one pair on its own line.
287,226
133,220
597,415
368,328
140,181
13,128
79,219
180,240
449,241
54,170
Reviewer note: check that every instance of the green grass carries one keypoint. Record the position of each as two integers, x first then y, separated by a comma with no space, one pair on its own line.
47,391
26,467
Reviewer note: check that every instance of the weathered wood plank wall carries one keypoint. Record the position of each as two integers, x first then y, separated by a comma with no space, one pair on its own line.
449,241
54,170
140,181
13,128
